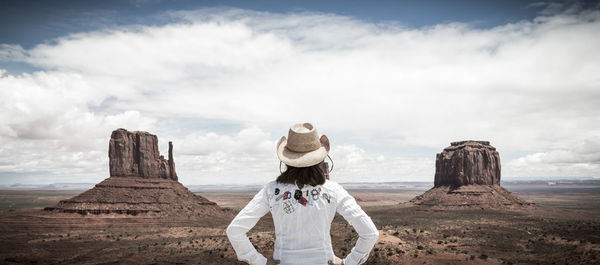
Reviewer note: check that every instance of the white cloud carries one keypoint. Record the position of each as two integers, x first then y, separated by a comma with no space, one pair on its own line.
12,52
353,164
581,160
49,132
208,157
526,86
249,157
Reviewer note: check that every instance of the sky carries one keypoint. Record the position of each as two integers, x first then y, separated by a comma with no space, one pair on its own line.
390,83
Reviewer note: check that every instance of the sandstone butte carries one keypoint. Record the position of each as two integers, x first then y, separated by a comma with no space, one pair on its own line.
467,175
141,182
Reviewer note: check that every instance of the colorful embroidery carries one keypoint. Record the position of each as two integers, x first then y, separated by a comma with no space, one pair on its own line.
326,197
288,207
315,194
297,194
302,201
287,195
279,197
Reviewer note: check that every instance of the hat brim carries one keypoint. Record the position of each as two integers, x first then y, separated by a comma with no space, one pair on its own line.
298,159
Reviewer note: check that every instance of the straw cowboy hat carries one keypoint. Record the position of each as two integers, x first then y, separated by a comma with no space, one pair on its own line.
303,147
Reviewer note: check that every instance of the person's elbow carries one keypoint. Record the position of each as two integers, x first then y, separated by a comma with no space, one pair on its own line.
371,236
234,232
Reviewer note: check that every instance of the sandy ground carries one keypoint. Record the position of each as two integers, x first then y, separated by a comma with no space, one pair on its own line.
565,233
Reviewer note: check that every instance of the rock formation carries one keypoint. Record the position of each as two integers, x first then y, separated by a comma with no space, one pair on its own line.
467,163
135,154
141,182
467,175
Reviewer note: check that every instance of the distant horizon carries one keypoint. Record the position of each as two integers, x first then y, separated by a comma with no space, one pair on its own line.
548,179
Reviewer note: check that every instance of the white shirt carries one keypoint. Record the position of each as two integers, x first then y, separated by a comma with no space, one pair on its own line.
302,226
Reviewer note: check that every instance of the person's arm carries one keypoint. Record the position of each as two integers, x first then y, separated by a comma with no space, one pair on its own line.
367,232
242,223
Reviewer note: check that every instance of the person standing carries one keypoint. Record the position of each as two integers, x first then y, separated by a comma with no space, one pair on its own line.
303,202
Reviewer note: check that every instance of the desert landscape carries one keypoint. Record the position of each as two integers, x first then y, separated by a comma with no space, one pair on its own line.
563,229
141,214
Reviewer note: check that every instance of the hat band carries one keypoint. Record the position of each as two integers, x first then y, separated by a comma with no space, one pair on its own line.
304,147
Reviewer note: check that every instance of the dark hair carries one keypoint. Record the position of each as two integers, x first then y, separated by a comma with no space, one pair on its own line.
312,175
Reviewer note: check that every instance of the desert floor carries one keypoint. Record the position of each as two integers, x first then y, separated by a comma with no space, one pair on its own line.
563,229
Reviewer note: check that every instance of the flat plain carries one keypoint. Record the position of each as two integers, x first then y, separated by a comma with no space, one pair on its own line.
563,228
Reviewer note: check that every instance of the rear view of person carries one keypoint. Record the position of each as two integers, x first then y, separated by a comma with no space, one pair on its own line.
303,202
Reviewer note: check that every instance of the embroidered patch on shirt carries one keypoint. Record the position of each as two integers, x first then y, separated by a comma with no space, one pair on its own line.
315,194
287,195
288,207
302,201
326,197
276,191
297,194
279,197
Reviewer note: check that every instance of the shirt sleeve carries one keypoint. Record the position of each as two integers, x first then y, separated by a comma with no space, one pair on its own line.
242,223
362,223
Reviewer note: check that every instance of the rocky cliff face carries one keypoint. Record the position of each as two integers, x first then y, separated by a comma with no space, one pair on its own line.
467,176
467,163
141,182
135,154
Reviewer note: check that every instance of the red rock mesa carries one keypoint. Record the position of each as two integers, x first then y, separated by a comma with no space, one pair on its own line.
135,154
141,181
467,175
467,163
